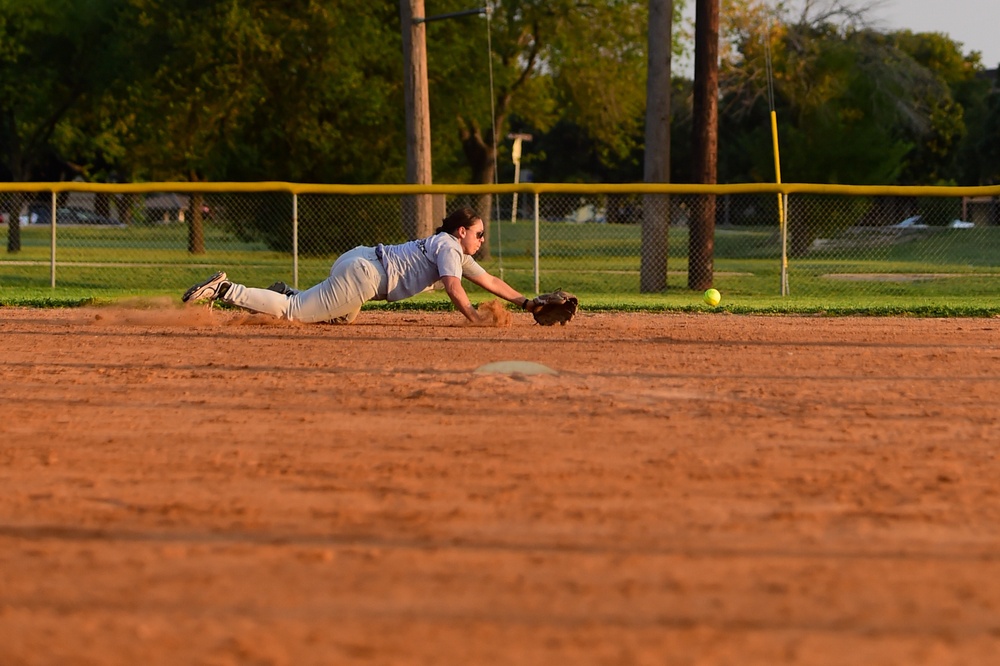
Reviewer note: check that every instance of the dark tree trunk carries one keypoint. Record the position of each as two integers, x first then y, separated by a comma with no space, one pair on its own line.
656,165
10,145
13,232
196,229
701,241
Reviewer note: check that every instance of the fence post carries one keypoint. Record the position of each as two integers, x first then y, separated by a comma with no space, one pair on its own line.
783,222
536,245
295,240
52,244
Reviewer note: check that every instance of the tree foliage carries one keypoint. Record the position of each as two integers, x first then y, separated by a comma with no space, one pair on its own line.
561,67
597,96
312,91
53,60
253,89
854,105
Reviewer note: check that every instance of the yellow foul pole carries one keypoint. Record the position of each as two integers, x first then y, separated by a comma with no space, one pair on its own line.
782,218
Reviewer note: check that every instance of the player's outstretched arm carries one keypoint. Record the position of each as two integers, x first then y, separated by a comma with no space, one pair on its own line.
498,287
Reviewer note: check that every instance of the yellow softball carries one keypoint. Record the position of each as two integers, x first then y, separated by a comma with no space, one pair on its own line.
712,297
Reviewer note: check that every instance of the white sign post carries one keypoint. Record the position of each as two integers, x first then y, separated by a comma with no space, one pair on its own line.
515,155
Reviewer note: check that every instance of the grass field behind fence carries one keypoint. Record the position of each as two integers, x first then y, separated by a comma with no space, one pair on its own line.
939,270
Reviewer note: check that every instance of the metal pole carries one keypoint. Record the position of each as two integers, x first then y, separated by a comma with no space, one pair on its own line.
783,199
513,205
537,291
52,245
295,241
782,204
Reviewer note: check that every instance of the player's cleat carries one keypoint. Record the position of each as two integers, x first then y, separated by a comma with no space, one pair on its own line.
209,290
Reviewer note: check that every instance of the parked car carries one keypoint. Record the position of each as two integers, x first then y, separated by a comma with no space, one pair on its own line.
911,223
915,223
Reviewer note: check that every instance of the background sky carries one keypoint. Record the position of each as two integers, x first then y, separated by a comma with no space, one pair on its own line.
974,23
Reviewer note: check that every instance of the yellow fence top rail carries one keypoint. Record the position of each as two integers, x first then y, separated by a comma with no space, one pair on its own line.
520,188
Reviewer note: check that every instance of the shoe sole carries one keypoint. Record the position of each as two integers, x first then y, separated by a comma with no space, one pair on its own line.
193,292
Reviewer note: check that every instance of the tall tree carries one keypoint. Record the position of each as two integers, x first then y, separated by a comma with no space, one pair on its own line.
581,61
953,101
52,58
701,241
988,147
656,165
250,90
256,89
852,107
853,104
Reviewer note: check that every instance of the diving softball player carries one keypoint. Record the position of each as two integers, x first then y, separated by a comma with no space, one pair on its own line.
380,273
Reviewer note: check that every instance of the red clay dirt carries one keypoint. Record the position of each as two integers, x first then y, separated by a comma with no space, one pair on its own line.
185,486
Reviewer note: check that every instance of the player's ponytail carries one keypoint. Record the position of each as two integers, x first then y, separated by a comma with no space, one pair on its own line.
463,217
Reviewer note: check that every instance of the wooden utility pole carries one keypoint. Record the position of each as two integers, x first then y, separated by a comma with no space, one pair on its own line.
656,165
418,216
701,239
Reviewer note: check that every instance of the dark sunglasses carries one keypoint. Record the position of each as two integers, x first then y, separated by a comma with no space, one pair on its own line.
480,235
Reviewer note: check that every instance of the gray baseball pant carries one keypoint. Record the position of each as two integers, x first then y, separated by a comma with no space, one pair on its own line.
356,277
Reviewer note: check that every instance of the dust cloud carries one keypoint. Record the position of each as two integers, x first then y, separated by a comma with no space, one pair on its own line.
494,314
165,311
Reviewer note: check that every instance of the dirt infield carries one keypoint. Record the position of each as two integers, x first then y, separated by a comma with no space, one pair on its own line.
196,487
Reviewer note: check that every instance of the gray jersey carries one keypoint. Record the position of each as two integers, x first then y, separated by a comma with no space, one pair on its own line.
414,266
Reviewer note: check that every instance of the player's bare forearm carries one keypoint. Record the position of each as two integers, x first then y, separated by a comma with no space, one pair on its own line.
498,287
456,292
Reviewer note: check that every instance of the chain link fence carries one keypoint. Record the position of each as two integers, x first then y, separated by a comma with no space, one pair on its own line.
594,241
